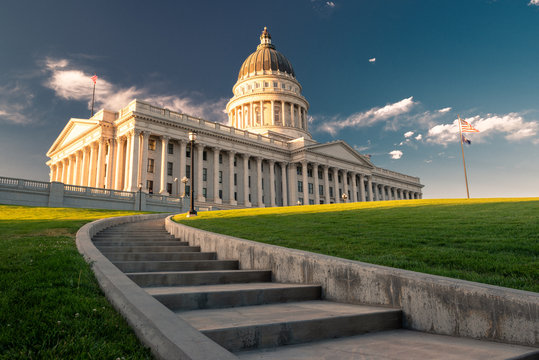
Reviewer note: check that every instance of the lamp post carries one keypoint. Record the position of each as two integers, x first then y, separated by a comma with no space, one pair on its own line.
344,197
184,181
139,197
192,139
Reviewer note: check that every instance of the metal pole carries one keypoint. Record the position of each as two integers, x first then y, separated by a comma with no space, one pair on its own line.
463,161
192,211
93,97
139,198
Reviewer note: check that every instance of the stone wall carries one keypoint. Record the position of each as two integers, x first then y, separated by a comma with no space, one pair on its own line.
430,303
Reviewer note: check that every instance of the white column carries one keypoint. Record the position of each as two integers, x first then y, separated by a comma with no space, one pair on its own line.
69,160
144,160
64,171
345,183
354,187
127,161
292,122
76,174
261,112
293,183
216,198
316,184
100,163
336,181
251,114
326,184
259,182
284,184
119,164
362,187
272,182
272,112
134,160
369,187
83,181
163,179
92,165
110,160
246,201
183,163
231,155
199,166
305,179
282,112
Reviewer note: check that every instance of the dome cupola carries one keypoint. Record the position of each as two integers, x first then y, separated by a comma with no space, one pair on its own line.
267,97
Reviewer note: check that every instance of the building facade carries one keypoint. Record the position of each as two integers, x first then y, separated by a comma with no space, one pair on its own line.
265,156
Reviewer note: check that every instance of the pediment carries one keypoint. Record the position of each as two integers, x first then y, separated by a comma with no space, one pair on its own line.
74,130
341,150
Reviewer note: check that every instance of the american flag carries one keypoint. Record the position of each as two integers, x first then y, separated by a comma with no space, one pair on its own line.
94,78
465,140
466,127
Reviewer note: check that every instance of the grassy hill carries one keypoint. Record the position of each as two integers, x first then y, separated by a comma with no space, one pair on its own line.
493,241
51,306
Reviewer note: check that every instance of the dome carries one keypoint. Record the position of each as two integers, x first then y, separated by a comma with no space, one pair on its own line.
265,58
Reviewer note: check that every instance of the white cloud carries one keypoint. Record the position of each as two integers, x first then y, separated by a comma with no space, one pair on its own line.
372,60
419,137
330,4
534,2
369,117
14,101
408,134
74,84
395,154
512,125
444,110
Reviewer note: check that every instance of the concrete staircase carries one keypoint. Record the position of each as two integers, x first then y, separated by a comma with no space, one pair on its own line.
246,313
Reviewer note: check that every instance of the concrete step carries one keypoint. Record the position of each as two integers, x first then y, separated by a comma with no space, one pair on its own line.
148,248
264,326
187,265
187,278
140,243
395,345
133,237
171,256
232,295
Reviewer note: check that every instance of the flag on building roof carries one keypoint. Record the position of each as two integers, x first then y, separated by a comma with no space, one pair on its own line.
465,140
466,126
94,78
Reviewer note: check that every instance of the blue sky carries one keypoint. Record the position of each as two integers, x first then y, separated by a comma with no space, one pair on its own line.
388,77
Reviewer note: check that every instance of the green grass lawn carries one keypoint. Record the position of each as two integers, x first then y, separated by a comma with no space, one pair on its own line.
51,306
493,241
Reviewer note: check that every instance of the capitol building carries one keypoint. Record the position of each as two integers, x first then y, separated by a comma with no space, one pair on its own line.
265,156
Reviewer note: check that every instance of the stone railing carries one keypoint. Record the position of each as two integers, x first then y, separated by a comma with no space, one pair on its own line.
24,184
395,175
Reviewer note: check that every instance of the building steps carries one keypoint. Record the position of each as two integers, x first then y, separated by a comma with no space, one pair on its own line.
245,312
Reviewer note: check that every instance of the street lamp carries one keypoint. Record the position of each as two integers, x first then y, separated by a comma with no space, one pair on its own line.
139,196
192,139
344,197
298,203
184,180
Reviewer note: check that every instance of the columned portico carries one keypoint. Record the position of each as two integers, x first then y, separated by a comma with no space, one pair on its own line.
246,184
259,195
316,184
336,181
326,184
164,167
231,159
284,183
272,181
216,198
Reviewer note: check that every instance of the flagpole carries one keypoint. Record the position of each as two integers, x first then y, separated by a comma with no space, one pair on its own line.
93,97
463,161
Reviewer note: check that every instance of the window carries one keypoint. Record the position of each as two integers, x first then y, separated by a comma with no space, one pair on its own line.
169,188
320,174
262,184
169,168
311,188
220,158
204,174
220,177
188,171
249,182
300,201
266,84
330,177
235,179
220,194
283,86
235,162
257,85
262,166
331,191
170,148
340,178
249,164
299,170
204,192
188,151
310,172
340,192
204,155
150,165
300,186
235,196
311,202
320,189
149,186
347,180
321,201
249,197
151,144
188,190
349,195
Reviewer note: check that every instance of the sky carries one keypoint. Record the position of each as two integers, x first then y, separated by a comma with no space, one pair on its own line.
389,77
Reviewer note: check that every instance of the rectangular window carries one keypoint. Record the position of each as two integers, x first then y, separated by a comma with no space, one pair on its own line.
320,189
283,86
204,155
331,191
149,186
300,201
220,194
169,188
235,179
220,177
235,196
249,197
299,170
188,171
235,161
170,148
321,201
204,192
187,190
151,144
150,165
300,186
169,168
347,180
330,177
311,188
188,151
320,174
340,192
262,184
311,202
204,174
249,164
249,182
274,84
340,179
310,172
220,158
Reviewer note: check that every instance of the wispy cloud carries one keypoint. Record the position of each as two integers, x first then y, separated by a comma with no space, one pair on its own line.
444,110
511,125
14,102
332,4
419,137
371,60
71,83
533,2
408,134
369,117
395,154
